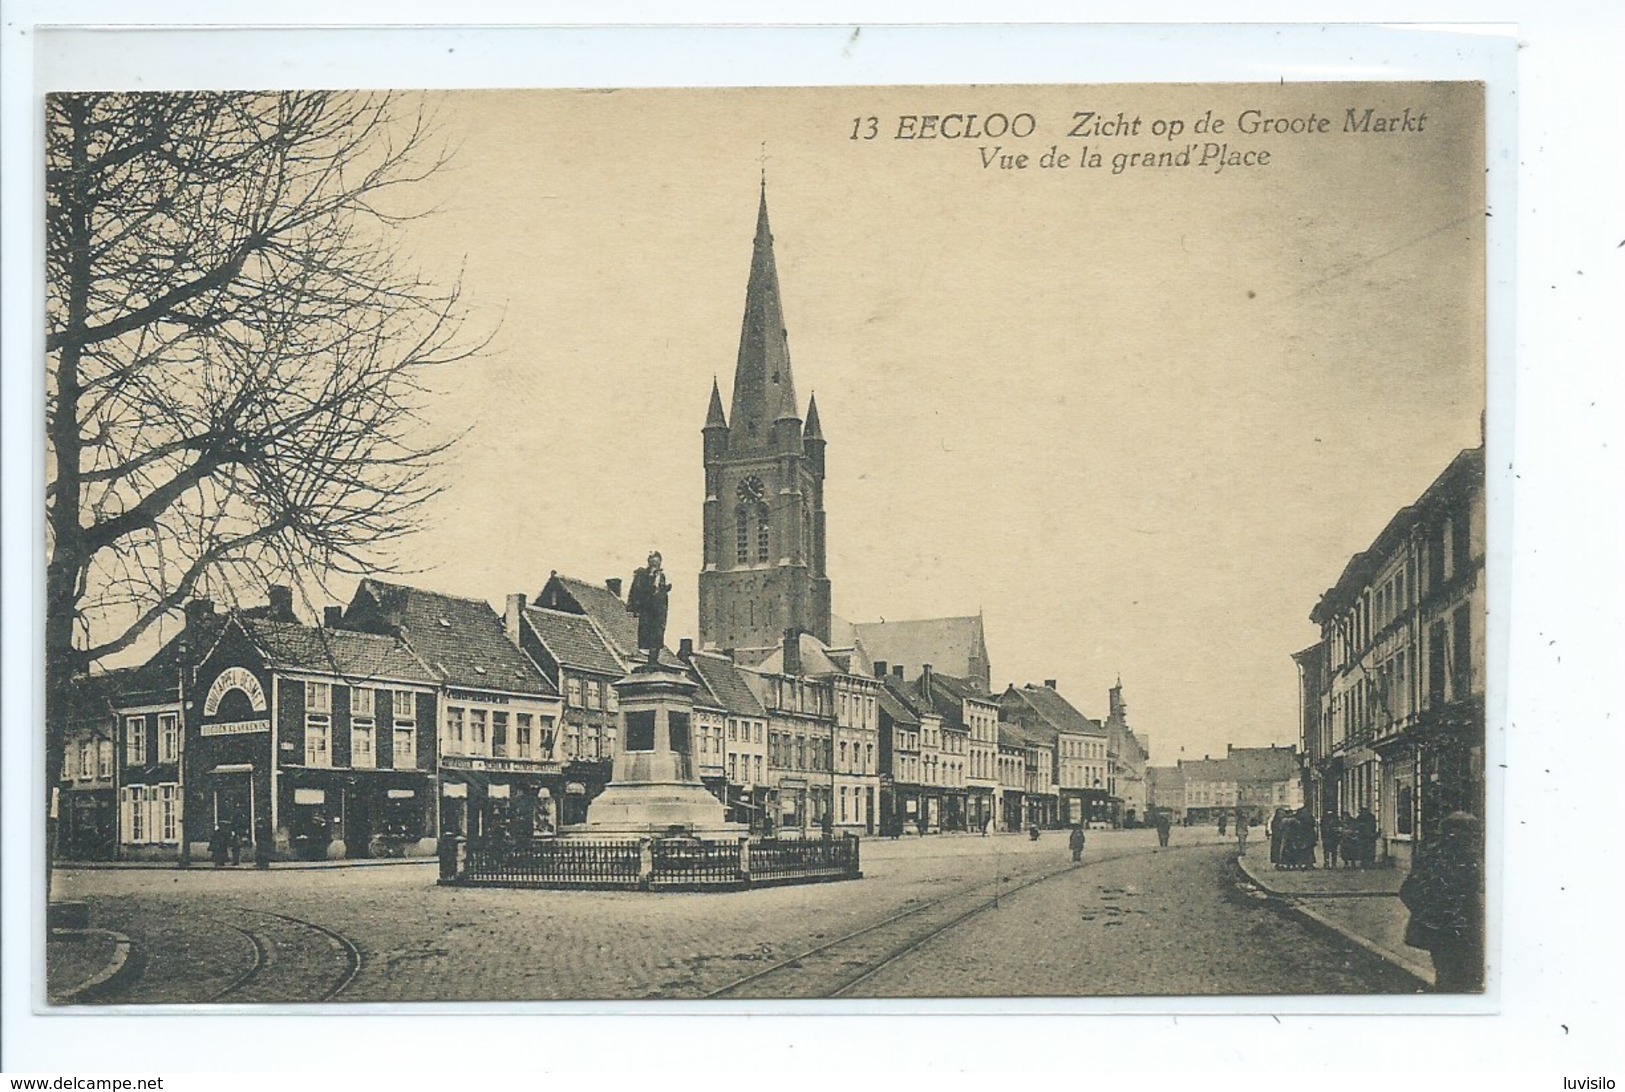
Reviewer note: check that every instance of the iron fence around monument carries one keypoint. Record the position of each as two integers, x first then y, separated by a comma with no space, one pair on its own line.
551,863
666,864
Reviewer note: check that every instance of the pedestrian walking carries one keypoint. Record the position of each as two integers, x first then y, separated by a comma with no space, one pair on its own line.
236,835
1241,833
262,846
1365,827
1165,826
986,819
1329,835
1445,895
1349,841
1285,826
219,847
1075,843
1224,823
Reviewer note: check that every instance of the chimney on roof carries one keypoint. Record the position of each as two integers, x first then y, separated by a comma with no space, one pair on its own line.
199,609
925,680
332,616
880,669
614,586
792,651
280,597
897,672
510,616
1050,683
685,649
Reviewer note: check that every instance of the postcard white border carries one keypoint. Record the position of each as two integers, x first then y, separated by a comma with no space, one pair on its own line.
516,57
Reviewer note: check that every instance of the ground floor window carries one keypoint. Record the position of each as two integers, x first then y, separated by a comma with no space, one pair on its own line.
150,814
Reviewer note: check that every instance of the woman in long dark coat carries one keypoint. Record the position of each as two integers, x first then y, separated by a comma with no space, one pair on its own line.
1366,825
1277,842
1303,839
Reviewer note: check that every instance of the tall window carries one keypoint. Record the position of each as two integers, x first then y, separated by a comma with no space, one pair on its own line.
742,535
167,827
572,690
87,760
318,723
762,523
403,711
169,737
363,728
501,742
524,735
104,759
135,741
479,743
595,698
1462,627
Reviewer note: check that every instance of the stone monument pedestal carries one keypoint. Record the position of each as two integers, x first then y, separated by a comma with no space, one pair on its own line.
654,789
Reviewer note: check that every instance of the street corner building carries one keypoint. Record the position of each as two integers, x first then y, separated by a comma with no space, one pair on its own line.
1393,691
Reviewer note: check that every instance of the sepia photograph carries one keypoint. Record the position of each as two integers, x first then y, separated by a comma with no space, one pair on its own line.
700,544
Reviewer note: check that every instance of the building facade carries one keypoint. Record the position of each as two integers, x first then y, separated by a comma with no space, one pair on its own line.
1393,692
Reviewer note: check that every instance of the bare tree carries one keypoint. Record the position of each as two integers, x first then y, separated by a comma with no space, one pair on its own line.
236,351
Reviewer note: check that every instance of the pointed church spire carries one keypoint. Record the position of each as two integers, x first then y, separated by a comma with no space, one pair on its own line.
713,416
763,384
813,430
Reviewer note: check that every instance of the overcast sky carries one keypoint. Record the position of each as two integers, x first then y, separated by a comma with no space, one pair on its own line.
1140,421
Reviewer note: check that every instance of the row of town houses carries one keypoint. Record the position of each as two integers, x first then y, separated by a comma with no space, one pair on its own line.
409,714
1392,693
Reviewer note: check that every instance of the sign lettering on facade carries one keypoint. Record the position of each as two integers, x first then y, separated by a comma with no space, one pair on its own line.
234,678
236,727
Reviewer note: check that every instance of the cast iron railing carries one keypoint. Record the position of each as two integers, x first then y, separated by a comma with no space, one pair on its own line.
669,863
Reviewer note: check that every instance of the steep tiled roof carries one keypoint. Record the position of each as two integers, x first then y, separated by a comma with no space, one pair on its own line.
351,654
1047,708
723,679
607,609
895,706
463,640
574,641
947,644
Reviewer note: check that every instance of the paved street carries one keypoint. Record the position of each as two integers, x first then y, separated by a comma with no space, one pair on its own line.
1132,920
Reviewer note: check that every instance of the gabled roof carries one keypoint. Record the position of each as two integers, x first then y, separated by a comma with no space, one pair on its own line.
1264,763
92,701
462,640
608,610
896,707
1042,706
573,641
159,677
947,644
290,646
814,660
726,684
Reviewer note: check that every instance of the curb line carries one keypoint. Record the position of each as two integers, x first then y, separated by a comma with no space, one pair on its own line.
1409,966
103,980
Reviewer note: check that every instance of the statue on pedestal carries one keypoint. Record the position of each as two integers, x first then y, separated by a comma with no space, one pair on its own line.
647,600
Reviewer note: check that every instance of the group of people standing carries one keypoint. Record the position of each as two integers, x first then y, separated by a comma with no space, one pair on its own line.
1346,840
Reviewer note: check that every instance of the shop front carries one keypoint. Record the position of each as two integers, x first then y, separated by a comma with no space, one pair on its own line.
504,800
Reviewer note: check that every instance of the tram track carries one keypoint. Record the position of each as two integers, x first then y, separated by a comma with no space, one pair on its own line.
837,967
287,964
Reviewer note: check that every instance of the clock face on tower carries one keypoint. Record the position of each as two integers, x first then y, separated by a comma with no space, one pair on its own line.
750,490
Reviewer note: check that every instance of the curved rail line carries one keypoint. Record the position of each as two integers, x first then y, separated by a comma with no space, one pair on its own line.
261,959
869,968
264,957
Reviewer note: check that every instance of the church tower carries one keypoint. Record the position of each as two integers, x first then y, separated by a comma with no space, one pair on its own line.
764,485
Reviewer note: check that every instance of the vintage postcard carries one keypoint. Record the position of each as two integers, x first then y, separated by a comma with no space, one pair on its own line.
845,542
